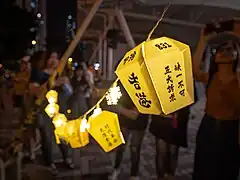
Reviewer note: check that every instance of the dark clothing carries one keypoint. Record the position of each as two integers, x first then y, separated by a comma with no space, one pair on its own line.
166,158
77,104
81,83
80,87
140,123
217,150
18,101
170,133
44,122
46,130
162,128
135,147
38,76
129,126
62,100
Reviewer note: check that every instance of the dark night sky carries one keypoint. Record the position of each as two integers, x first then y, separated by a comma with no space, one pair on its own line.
57,13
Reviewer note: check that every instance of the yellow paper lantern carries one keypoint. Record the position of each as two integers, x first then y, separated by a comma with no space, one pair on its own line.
135,78
52,96
59,120
52,110
74,136
105,129
57,137
170,67
60,133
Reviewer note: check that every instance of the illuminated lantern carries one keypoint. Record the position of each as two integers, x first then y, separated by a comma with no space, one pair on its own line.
52,96
73,134
59,120
57,136
135,78
157,74
170,67
97,111
105,129
52,110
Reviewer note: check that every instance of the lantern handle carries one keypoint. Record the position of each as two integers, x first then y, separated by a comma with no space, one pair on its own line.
161,18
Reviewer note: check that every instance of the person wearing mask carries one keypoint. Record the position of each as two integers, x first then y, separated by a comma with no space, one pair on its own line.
131,122
64,89
217,148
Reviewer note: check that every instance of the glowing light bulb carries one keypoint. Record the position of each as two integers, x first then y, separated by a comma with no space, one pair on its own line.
96,66
70,59
52,96
114,94
59,120
122,137
69,111
84,125
52,110
96,112
39,15
58,123
34,42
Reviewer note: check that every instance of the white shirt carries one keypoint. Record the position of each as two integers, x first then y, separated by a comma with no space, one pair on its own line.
91,82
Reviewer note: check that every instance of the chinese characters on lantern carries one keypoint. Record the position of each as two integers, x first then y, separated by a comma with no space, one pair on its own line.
170,85
71,134
162,46
142,98
108,135
129,58
178,70
133,79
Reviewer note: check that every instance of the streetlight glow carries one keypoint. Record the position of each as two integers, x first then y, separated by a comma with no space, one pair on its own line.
34,42
70,59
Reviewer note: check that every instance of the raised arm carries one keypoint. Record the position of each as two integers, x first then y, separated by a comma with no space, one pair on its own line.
199,75
129,113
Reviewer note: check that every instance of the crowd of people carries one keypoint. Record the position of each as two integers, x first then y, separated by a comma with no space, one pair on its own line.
74,92
217,143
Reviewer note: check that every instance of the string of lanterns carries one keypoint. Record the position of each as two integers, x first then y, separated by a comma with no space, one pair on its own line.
157,75
75,132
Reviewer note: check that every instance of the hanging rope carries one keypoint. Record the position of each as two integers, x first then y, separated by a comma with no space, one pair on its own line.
97,105
161,18
115,82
